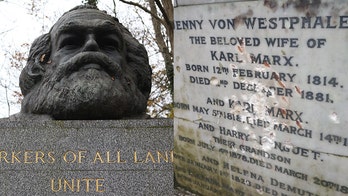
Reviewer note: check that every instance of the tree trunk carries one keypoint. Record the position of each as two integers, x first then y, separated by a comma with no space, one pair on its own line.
160,39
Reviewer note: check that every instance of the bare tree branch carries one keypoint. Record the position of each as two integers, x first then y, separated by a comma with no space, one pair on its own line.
164,13
168,7
114,2
8,102
6,30
145,10
162,45
161,12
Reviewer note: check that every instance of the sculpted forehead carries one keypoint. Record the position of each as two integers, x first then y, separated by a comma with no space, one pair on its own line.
83,17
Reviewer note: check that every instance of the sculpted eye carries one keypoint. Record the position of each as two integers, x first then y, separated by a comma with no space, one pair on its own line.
71,42
109,43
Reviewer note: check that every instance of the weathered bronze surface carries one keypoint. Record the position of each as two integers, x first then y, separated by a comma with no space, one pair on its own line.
88,66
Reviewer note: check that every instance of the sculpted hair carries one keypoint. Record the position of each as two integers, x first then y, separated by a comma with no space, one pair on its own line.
39,54
137,63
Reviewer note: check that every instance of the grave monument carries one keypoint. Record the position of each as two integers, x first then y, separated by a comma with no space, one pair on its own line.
260,97
83,74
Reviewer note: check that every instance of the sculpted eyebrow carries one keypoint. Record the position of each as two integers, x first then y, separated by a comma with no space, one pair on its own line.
107,27
69,27
76,26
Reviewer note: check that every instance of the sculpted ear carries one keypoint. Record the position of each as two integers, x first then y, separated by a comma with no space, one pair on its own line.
39,55
138,62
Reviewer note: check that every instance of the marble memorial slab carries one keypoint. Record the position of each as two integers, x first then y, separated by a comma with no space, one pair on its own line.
261,97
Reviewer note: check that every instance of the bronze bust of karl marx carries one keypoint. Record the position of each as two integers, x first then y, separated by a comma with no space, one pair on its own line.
88,66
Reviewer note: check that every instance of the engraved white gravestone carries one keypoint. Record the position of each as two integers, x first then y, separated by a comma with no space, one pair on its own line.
261,97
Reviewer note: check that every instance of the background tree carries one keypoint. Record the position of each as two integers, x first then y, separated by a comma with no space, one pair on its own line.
14,57
162,18
161,33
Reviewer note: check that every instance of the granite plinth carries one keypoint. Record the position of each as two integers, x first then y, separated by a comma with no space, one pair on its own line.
124,157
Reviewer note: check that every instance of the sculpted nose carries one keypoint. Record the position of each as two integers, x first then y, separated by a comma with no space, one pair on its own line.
91,44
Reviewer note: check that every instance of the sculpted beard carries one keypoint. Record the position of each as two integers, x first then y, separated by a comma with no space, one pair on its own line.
78,88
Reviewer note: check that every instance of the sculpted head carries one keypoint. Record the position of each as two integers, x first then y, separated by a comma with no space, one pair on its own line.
87,67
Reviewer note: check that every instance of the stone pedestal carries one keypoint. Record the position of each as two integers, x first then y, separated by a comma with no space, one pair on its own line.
125,157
